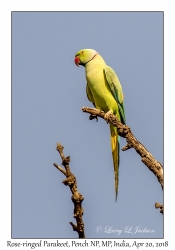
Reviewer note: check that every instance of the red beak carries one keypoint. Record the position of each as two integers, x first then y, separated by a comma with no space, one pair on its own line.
77,61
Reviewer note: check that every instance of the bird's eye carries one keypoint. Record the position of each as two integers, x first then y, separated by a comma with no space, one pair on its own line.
82,52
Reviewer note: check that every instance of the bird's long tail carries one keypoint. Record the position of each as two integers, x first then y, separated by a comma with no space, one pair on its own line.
115,154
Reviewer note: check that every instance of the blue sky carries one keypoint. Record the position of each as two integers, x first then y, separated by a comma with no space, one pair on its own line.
48,92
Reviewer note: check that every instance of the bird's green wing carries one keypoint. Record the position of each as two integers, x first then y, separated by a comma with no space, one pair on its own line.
116,90
89,95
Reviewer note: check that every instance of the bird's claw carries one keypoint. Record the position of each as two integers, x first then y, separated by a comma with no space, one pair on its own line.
91,117
106,117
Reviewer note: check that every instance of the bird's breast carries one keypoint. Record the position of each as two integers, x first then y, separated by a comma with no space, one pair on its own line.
96,81
100,90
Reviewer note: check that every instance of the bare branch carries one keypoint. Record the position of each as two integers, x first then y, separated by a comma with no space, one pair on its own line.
125,131
77,198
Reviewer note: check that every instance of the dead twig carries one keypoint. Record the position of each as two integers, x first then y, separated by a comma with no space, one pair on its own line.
157,205
77,198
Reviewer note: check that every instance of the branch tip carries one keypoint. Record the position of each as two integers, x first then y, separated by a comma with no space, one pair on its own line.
74,227
158,205
59,147
128,146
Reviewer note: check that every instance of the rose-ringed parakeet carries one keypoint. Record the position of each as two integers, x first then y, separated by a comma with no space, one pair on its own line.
105,92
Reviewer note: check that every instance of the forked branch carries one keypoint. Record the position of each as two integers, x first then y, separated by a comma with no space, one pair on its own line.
77,198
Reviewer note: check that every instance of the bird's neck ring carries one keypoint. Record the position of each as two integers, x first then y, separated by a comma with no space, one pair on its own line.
90,59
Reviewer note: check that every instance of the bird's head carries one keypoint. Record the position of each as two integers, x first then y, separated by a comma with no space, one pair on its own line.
84,56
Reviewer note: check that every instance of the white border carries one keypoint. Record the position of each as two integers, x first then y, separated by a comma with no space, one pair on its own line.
5,95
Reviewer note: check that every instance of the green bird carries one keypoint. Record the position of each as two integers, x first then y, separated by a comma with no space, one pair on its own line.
104,90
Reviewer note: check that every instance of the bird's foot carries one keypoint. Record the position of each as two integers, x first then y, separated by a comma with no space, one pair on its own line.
106,117
91,117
